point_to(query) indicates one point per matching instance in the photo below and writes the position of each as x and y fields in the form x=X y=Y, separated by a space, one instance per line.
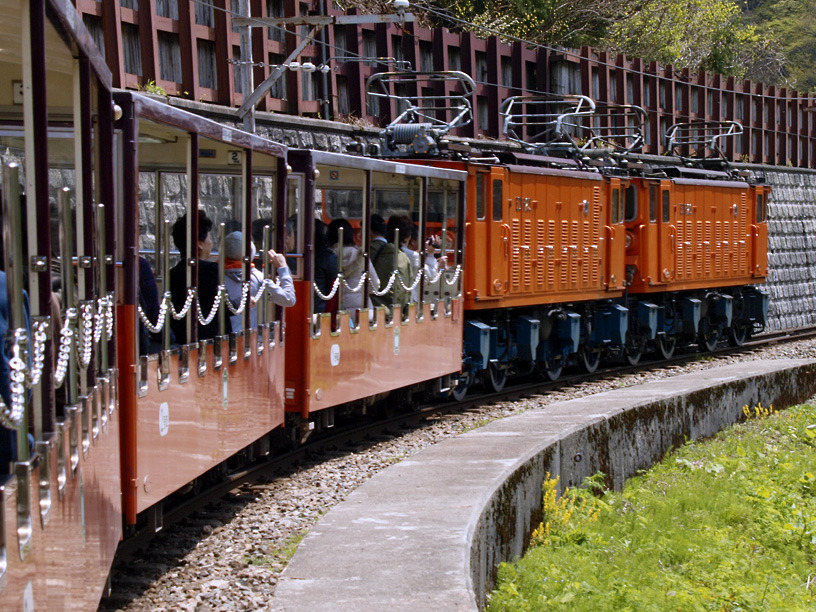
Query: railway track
x=238 y=484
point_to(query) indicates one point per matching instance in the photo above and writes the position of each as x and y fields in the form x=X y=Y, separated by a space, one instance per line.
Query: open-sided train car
x=61 y=512
x=210 y=381
x=344 y=358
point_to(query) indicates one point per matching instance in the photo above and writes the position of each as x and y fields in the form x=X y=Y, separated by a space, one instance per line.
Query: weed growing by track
x=724 y=524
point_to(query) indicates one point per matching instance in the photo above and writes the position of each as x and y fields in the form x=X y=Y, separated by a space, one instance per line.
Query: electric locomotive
x=578 y=248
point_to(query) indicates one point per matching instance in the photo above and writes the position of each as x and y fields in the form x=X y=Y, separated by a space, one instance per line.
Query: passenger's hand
x=277 y=259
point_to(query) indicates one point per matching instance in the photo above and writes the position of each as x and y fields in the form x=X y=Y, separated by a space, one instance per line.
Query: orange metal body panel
x=195 y=425
x=704 y=235
x=348 y=365
x=553 y=243
x=71 y=551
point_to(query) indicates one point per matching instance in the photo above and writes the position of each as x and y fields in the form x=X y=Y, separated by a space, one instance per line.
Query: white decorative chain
x=101 y=315
x=108 y=318
x=419 y=275
x=359 y=285
x=163 y=307
x=213 y=311
x=66 y=339
x=12 y=416
x=390 y=284
x=455 y=279
x=38 y=352
x=86 y=328
x=333 y=291
x=188 y=303
x=242 y=305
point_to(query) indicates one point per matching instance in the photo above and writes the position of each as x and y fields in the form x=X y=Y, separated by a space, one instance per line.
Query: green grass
x=725 y=524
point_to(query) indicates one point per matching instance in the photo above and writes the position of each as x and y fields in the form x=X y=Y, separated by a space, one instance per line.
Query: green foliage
x=694 y=34
x=727 y=524
x=793 y=23
x=151 y=88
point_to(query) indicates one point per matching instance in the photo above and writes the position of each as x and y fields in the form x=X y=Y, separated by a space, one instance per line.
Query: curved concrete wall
x=429 y=532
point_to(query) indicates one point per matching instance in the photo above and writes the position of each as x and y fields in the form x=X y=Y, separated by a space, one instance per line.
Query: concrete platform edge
x=428 y=533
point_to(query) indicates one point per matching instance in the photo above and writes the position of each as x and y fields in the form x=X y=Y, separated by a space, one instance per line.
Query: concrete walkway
x=427 y=533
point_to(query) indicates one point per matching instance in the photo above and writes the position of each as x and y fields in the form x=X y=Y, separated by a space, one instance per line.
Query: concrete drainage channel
x=429 y=532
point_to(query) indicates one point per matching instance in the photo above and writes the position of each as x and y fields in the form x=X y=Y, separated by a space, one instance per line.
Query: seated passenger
x=389 y=259
x=208 y=280
x=377 y=241
x=353 y=264
x=430 y=266
x=284 y=295
x=325 y=269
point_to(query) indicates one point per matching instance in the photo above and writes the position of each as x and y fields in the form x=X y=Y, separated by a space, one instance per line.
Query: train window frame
x=666 y=206
x=616 y=216
x=760 y=208
x=653 y=203
x=481 y=179
x=630 y=203
x=498 y=199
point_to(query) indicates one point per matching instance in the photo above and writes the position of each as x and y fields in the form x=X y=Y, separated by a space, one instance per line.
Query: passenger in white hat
x=234 y=253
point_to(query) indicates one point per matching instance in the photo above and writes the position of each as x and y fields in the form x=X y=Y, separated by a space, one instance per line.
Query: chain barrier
x=332 y=293
x=12 y=416
x=38 y=352
x=214 y=310
x=242 y=306
x=359 y=286
x=66 y=339
x=86 y=332
x=390 y=284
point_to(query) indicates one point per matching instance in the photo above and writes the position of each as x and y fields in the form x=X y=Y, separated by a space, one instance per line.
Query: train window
x=666 y=215
x=616 y=206
x=760 y=208
x=342 y=192
x=498 y=197
x=480 y=196
x=630 y=212
x=652 y=203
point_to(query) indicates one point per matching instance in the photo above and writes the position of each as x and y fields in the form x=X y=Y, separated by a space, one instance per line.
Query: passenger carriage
x=61 y=510
x=347 y=359
x=193 y=404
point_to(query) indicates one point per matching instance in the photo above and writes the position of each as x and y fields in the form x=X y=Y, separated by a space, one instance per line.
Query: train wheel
x=666 y=346
x=551 y=368
x=708 y=340
x=737 y=334
x=632 y=353
x=459 y=392
x=589 y=358
x=495 y=378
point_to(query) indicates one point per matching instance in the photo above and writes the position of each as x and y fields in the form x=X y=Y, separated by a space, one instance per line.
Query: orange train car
x=341 y=359
x=697 y=247
x=60 y=521
x=579 y=248
x=193 y=401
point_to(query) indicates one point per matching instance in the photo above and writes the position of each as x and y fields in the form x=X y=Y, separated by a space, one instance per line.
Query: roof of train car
x=75 y=32
x=379 y=164
x=155 y=110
